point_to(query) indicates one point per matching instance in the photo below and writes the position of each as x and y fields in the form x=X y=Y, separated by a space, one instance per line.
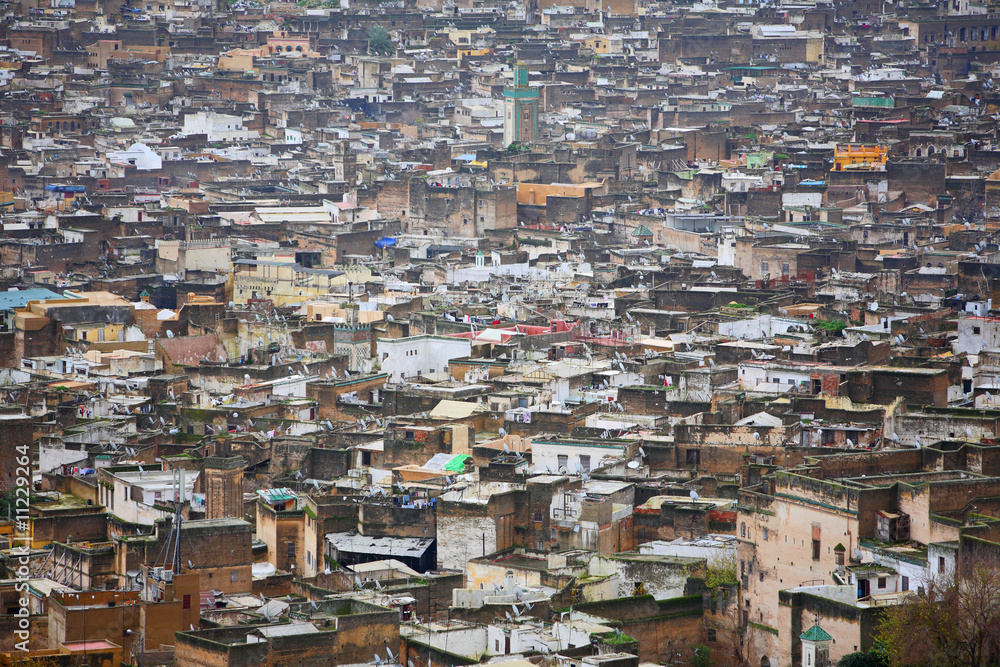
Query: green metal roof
x=815 y=634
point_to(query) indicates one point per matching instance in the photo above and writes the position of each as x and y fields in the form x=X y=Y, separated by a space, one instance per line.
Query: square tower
x=520 y=109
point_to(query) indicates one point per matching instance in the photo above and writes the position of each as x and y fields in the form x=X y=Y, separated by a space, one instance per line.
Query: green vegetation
x=617 y=639
x=832 y=326
x=515 y=147
x=955 y=621
x=379 y=41
x=7 y=500
x=722 y=572
x=872 y=658
x=701 y=656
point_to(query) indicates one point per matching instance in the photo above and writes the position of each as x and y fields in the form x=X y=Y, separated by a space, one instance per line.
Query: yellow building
x=599 y=44
x=238 y=60
x=870 y=157
x=471 y=53
x=464 y=37
x=322 y=310
x=287 y=283
x=282 y=283
x=536 y=194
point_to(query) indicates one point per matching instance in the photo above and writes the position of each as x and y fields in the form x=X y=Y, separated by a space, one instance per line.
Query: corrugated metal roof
x=412 y=547
x=277 y=495
x=19 y=298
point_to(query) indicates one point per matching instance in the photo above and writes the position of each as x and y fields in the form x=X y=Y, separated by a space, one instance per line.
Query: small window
x=815 y=549
x=881 y=582
x=905 y=584
x=976 y=331
x=186 y=604
x=563 y=460
x=710 y=634
x=234 y=576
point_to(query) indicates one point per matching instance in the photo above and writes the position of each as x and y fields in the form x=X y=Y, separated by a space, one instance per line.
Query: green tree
x=701 y=656
x=379 y=41
x=864 y=659
x=954 y=623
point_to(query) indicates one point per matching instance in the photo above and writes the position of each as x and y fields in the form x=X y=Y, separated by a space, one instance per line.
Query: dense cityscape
x=529 y=333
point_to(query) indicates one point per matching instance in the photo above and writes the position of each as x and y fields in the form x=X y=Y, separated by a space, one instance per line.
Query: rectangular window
x=585 y=463
x=881 y=582
x=905 y=584
x=186 y=604
x=693 y=457
x=815 y=549
x=562 y=460
x=234 y=576
x=291 y=551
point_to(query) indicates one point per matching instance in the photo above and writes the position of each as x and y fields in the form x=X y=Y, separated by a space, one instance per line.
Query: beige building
x=857 y=530
x=282 y=283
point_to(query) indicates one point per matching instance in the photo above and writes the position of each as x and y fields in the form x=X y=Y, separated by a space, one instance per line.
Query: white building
x=573 y=457
x=976 y=334
x=217 y=127
x=139 y=155
x=408 y=358
x=140 y=497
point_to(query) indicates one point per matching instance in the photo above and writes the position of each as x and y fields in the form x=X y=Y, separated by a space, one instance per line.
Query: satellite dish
x=170 y=334
x=634 y=465
x=694 y=495
x=502 y=432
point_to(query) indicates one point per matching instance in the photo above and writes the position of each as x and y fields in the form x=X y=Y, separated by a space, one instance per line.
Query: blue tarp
x=385 y=242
